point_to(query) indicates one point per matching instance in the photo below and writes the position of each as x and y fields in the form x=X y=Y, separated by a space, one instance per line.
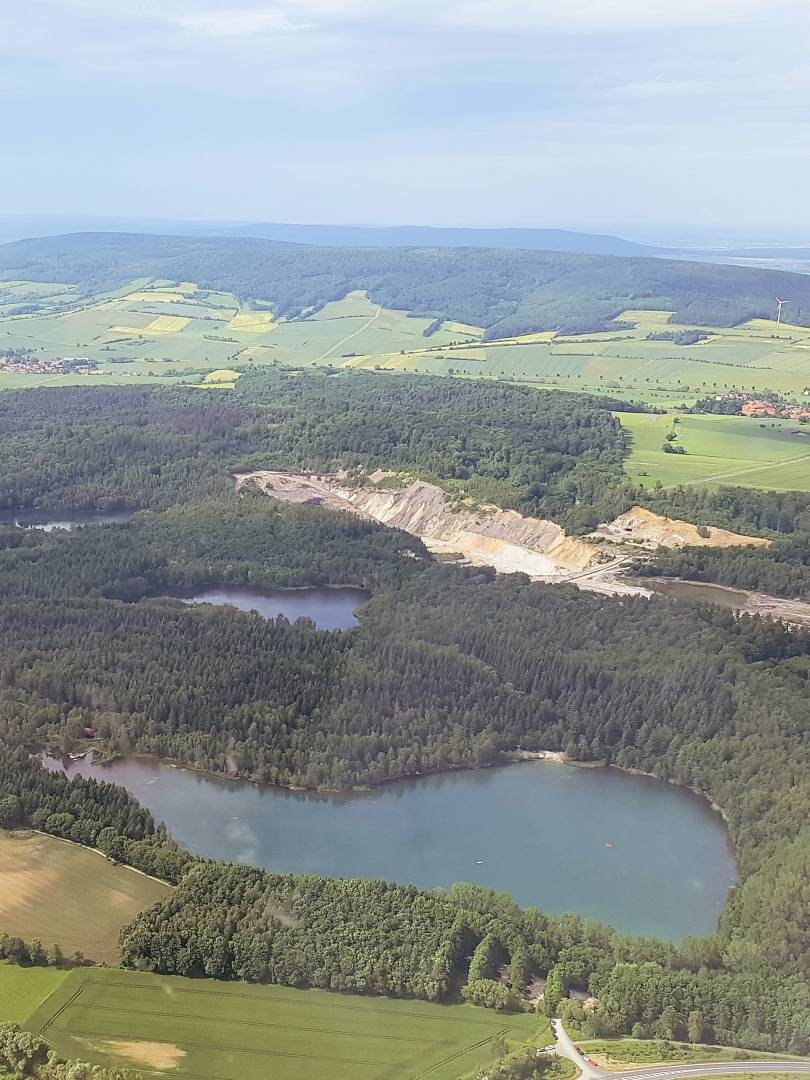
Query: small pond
x=329 y=608
x=65 y=519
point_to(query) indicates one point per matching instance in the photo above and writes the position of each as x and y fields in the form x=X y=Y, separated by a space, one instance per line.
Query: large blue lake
x=645 y=856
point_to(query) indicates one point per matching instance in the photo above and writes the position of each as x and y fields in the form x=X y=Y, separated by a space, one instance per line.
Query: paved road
x=566 y=1048
x=681 y=1072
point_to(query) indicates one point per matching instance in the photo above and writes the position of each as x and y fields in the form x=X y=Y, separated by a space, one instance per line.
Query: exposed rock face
x=650 y=530
x=503 y=539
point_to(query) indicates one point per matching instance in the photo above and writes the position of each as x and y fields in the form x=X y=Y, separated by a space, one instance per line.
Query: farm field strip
x=23 y=990
x=96 y=898
x=719 y=449
x=141 y=324
x=233 y=1031
x=129 y=1011
x=759 y=468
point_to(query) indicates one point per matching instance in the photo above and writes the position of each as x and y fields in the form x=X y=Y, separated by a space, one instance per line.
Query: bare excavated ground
x=487 y=536
x=646 y=529
x=502 y=539
x=512 y=543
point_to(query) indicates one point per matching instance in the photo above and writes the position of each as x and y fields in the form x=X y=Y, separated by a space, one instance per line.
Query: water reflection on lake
x=698 y=591
x=47 y=520
x=329 y=609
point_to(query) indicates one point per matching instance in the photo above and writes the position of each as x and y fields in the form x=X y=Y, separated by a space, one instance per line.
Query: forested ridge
x=505 y=291
x=449 y=667
x=547 y=453
x=543 y=453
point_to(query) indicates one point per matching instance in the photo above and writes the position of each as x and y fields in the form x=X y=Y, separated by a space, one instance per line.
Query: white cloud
x=612 y=16
x=244 y=23
x=521 y=16
x=634 y=91
x=466 y=110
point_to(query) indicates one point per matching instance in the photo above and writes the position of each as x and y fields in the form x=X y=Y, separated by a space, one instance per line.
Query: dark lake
x=65 y=519
x=698 y=591
x=329 y=609
x=645 y=856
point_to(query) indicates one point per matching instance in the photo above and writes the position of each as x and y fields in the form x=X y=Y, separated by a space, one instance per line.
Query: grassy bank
x=24 y=990
x=618 y=1054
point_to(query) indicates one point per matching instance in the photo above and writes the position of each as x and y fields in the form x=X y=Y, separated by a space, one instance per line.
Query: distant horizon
x=688 y=235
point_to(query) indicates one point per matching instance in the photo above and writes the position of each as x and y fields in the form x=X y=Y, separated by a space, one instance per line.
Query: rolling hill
x=506 y=292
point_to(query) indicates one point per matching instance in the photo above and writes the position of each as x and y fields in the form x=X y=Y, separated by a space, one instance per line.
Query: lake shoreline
x=792 y=611
x=329 y=608
x=509 y=757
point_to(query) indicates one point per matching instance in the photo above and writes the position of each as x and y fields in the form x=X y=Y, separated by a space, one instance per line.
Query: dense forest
x=449 y=666
x=544 y=453
x=506 y=292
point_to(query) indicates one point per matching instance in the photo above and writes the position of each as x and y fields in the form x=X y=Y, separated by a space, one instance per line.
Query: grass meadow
x=213 y=1030
x=622 y=1053
x=720 y=450
x=23 y=990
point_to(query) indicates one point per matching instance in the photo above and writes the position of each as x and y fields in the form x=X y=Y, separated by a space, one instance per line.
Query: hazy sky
x=577 y=113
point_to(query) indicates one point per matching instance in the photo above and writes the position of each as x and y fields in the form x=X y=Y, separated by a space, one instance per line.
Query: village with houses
x=27 y=362
x=760 y=407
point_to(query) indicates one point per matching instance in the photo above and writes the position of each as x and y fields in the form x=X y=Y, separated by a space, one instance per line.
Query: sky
x=658 y=119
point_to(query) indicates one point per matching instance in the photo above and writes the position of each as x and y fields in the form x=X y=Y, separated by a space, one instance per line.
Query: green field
x=235 y=1031
x=162 y=331
x=95 y=897
x=154 y=327
x=626 y=364
x=734 y=450
x=23 y=990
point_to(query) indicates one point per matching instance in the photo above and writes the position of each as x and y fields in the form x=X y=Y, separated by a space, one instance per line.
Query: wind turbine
x=779 y=310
